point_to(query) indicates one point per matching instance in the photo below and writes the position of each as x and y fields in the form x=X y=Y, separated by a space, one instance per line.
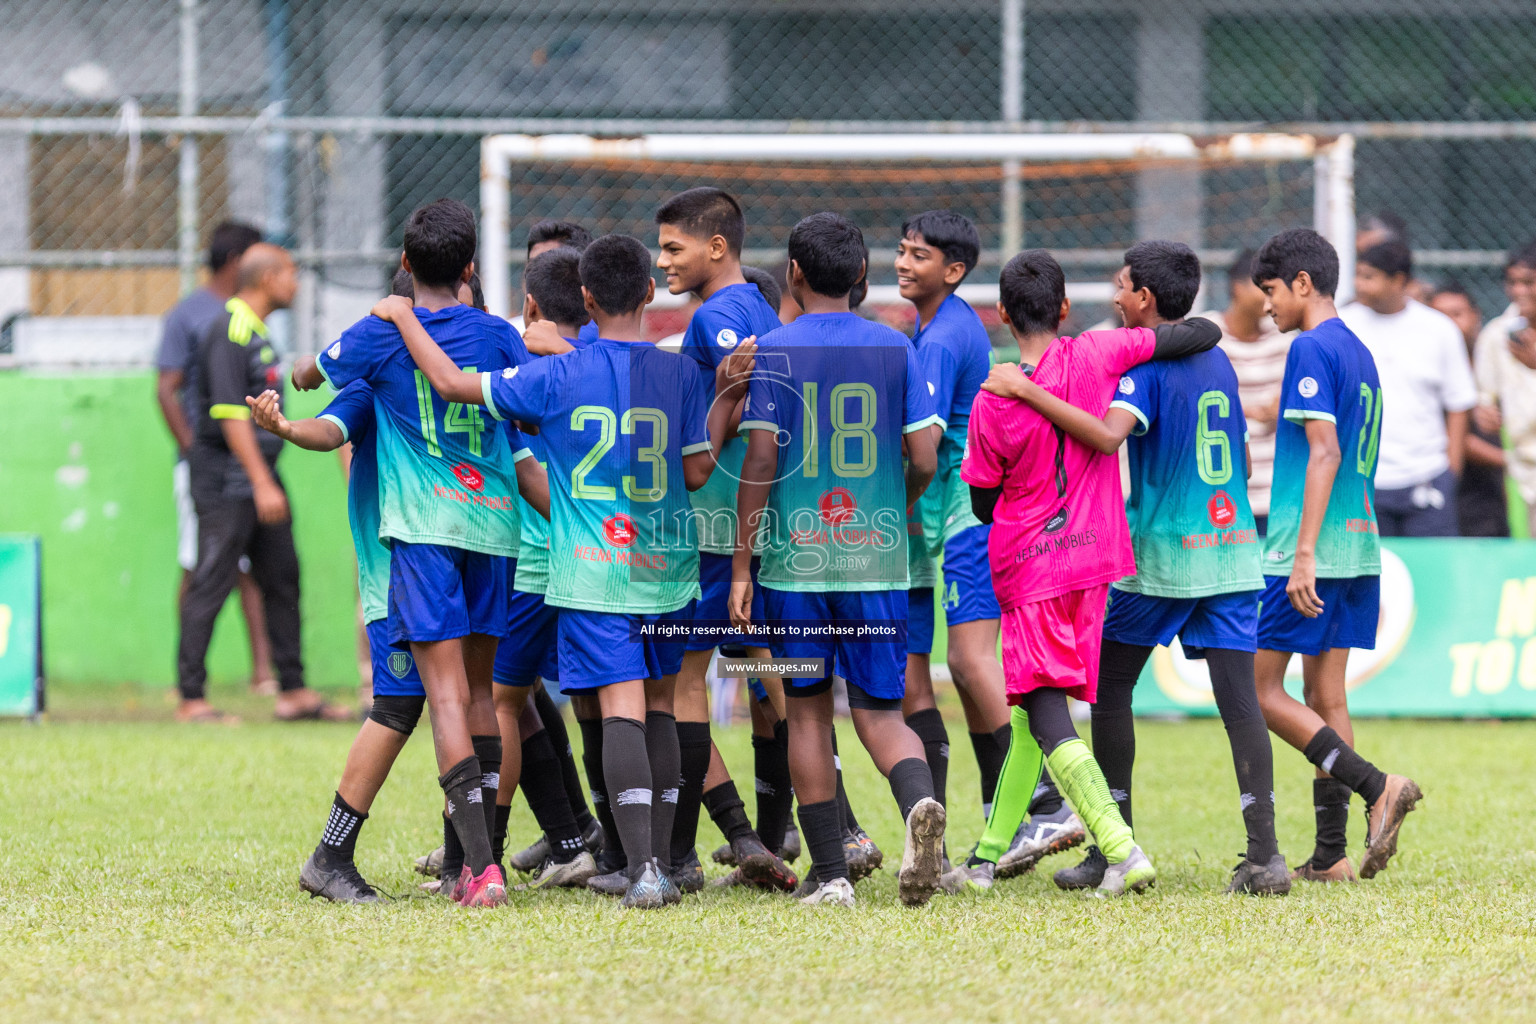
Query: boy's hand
x=268 y=414
x=1008 y=380
x=736 y=367
x=1487 y=419
x=271 y=502
x=542 y=338
x=1302 y=587
x=740 y=606
x=390 y=307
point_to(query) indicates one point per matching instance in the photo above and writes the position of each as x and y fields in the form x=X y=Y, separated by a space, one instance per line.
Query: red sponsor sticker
x=1222 y=510
x=620 y=530
x=836 y=505
x=469 y=476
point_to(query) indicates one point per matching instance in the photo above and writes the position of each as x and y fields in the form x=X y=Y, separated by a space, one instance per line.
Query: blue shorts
x=598 y=649
x=1351 y=608
x=968 y=594
x=1227 y=622
x=920 y=620
x=394 y=670
x=527 y=653
x=877 y=667
x=712 y=615
x=440 y=593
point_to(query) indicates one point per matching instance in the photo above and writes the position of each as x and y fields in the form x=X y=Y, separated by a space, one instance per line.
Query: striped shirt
x=1260 y=367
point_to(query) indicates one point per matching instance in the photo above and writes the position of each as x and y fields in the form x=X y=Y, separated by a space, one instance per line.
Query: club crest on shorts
x=399 y=664
x=1222 y=510
x=726 y=338
x=469 y=476
x=620 y=530
x=836 y=505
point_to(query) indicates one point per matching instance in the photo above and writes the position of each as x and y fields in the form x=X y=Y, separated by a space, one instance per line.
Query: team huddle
x=570 y=505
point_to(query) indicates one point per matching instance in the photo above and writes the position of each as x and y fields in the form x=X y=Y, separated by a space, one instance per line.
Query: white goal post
x=1333 y=169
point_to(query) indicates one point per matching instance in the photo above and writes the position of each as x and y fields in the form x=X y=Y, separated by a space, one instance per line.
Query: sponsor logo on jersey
x=1057 y=521
x=1221 y=509
x=334 y=351
x=1307 y=386
x=469 y=476
x=836 y=505
x=399 y=664
x=509 y=372
x=726 y=338
x=620 y=530
x=266 y=354
x=931 y=389
x=1127 y=386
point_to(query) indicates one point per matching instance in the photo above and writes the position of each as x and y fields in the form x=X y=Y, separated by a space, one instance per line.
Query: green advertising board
x=1456 y=638
x=21 y=668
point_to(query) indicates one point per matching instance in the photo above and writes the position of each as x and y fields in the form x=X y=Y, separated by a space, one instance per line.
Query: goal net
x=1084 y=196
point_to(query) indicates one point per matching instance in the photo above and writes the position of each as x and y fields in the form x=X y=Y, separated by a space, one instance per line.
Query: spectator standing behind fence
x=184 y=325
x=1482 y=507
x=242 y=509
x=1257 y=350
x=1426 y=393
x=1506 y=375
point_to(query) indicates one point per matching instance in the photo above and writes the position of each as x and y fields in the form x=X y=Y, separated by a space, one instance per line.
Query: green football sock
x=1015 y=788
x=1078 y=776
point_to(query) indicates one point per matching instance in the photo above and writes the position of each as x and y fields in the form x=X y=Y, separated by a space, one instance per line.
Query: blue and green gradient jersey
x=956 y=354
x=727 y=318
x=352 y=411
x=1191 y=526
x=617 y=418
x=1329 y=375
x=533 y=550
x=445 y=471
x=838 y=393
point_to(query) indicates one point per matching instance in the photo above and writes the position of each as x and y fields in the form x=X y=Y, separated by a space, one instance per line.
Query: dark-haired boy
x=700 y=235
x=1059 y=538
x=833 y=404
x=1196 y=551
x=1322 y=558
x=449 y=509
x=622 y=424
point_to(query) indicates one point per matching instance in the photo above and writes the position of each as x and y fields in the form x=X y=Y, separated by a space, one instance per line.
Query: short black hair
x=1393 y=224
x=1522 y=256
x=1170 y=271
x=704 y=213
x=1032 y=288
x=1241 y=268
x=951 y=233
x=553 y=278
x=773 y=294
x=1453 y=286
x=403 y=284
x=229 y=242
x=440 y=241
x=1290 y=252
x=830 y=251
x=616 y=270
x=567 y=233
x=1391 y=257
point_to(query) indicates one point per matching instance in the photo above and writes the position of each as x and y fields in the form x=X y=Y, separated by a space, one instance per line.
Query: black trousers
x=228 y=529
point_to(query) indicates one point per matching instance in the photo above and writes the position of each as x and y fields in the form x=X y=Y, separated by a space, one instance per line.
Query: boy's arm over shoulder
x=357 y=354
x=522 y=393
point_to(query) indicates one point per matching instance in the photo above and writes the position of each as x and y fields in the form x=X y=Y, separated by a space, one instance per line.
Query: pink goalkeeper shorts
x=1055 y=643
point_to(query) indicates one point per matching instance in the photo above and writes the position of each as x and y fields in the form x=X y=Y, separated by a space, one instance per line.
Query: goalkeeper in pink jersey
x=1059 y=538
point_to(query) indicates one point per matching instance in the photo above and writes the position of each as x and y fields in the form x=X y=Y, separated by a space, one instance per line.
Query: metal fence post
x=1013 y=112
x=187 y=169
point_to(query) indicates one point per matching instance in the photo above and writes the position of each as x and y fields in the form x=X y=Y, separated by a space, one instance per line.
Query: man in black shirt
x=241 y=506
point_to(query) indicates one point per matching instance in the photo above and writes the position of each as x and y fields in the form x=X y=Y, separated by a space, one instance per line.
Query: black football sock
x=844 y=808
x=1330 y=753
x=775 y=793
x=1047 y=798
x=461 y=785
x=911 y=781
x=929 y=726
x=499 y=835
x=693 y=756
x=1114 y=726
x=627 y=774
x=1330 y=802
x=339 y=839
x=544 y=787
x=488 y=750
x=991 y=751
x=1252 y=757
x=728 y=812
x=666 y=773
x=592 y=761
x=819 y=827
x=453 y=853
x=560 y=739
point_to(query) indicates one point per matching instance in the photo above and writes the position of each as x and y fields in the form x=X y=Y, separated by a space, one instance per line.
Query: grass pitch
x=150 y=874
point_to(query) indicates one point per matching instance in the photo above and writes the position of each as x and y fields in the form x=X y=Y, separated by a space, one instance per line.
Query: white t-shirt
x=1421 y=358
x=1506 y=382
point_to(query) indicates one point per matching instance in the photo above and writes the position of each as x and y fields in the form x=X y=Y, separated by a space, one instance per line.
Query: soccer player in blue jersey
x=623 y=425
x=832 y=403
x=700 y=234
x=1197 y=554
x=1322 y=556
x=449 y=507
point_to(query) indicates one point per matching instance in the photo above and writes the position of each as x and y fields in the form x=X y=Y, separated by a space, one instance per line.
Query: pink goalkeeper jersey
x=1060 y=524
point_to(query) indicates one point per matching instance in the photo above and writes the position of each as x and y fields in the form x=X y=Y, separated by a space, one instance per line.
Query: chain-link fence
x=127 y=130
